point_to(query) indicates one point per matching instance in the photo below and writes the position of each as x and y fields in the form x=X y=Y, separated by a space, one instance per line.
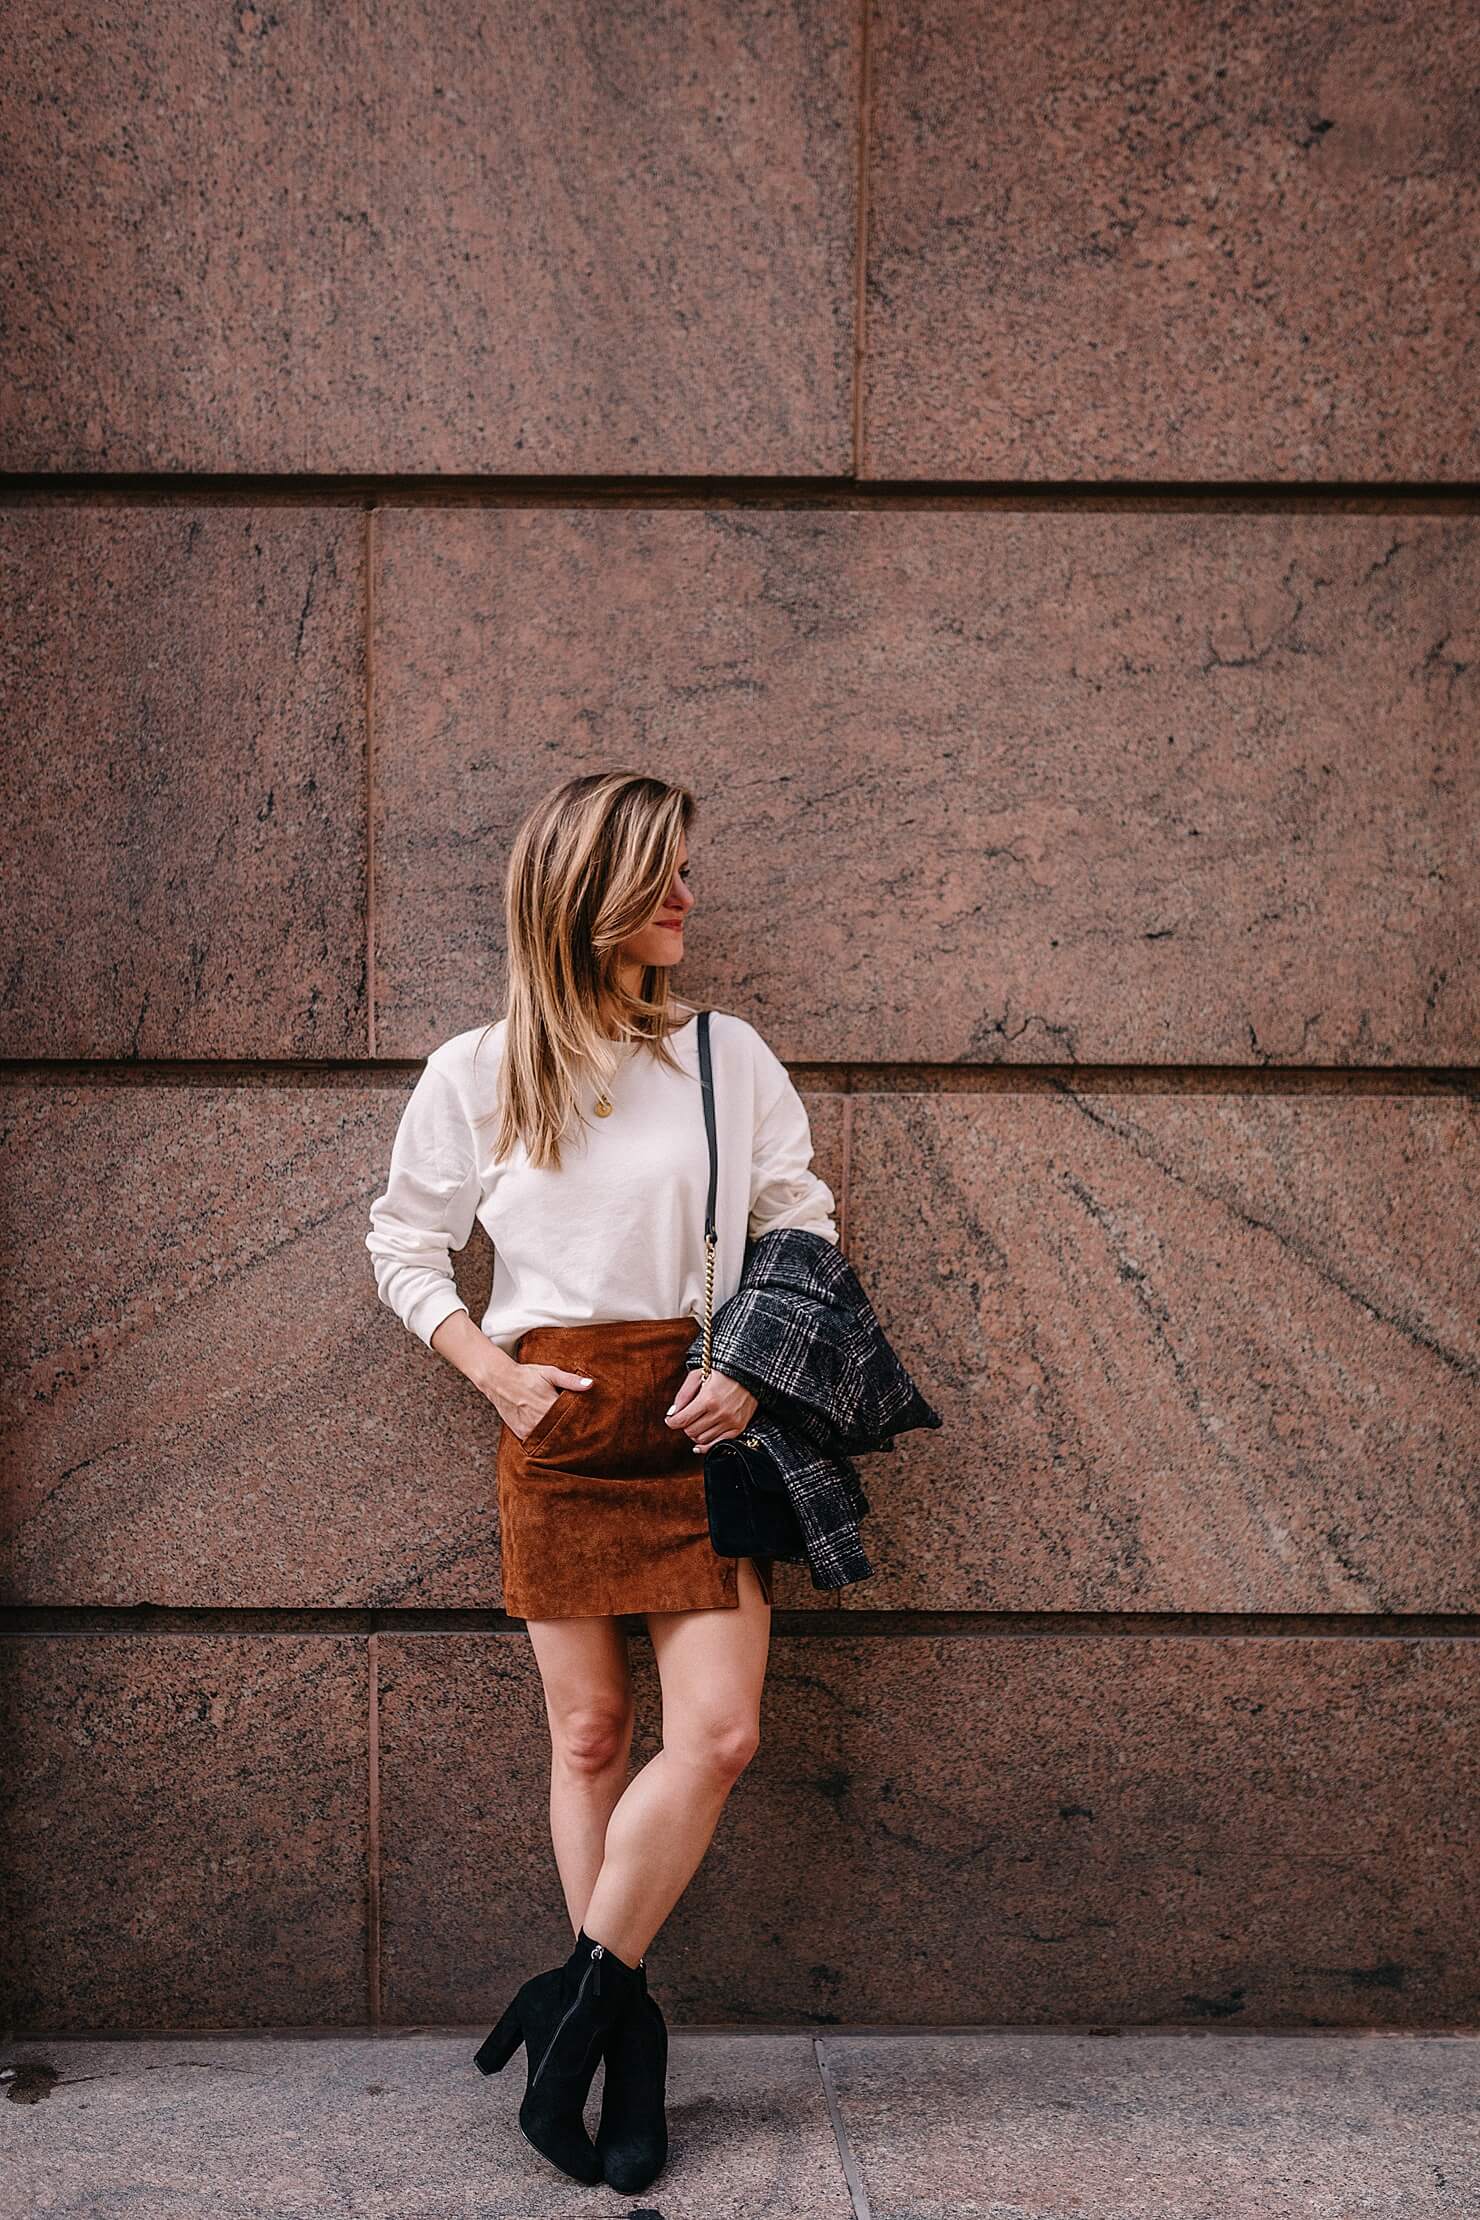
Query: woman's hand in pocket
x=532 y=1392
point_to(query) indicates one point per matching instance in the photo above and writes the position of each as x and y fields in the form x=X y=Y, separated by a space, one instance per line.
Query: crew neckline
x=671 y=1035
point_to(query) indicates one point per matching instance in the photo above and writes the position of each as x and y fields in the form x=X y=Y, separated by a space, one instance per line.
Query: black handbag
x=749 y=1505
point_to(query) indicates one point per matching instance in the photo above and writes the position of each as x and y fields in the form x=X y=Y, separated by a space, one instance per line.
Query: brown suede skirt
x=601 y=1506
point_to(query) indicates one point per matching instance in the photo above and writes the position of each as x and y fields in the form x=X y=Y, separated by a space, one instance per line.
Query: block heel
x=497 y=2048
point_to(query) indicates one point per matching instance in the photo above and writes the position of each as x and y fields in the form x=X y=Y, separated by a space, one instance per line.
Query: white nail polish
x=585 y=1383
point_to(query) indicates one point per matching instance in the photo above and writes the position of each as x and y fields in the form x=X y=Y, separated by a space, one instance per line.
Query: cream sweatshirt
x=618 y=1231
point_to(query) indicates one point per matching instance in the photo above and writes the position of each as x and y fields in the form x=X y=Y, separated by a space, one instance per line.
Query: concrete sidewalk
x=968 y=2124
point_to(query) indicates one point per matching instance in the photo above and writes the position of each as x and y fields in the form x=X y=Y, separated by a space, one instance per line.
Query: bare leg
x=712 y=1665
x=588 y=1702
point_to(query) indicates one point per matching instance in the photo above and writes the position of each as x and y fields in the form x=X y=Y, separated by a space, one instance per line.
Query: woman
x=573 y=1129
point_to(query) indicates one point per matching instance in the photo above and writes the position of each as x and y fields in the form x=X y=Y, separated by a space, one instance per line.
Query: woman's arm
x=466 y=1347
x=784 y=1189
x=426 y=1213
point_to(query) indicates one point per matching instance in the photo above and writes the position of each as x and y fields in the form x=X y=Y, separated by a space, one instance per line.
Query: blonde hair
x=591 y=865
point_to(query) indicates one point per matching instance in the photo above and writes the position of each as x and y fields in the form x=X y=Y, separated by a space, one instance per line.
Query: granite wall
x=1019 y=465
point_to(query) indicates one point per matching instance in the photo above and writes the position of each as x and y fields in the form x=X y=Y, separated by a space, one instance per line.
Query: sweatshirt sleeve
x=784 y=1190
x=427 y=1210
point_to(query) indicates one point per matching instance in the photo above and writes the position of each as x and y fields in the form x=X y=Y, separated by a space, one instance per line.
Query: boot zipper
x=592 y=1966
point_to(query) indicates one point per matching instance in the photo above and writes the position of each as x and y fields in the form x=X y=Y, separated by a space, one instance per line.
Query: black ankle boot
x=562 y=2017
x=632 y=2137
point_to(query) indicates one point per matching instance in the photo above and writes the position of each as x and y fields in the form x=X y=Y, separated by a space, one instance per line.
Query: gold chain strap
x=710 y=1241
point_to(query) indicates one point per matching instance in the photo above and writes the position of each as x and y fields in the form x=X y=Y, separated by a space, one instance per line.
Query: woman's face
x=661 y=942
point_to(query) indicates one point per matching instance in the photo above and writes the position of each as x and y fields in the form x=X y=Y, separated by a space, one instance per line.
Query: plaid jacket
x=800 y=1333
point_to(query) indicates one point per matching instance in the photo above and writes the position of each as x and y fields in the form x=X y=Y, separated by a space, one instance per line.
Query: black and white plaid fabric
x=801 y=1334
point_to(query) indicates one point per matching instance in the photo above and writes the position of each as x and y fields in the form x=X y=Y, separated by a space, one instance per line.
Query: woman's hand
x=527 y=1393
x=716 y=1409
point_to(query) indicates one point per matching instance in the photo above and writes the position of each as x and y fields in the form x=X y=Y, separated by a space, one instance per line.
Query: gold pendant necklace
x=603 y=1105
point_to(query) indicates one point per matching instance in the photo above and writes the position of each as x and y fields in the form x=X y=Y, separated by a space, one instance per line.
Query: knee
x=726 y=1746
x=590 y=1740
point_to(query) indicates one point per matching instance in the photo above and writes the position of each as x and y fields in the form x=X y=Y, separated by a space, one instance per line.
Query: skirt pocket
x=549 y=1421
x=612 y=1430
